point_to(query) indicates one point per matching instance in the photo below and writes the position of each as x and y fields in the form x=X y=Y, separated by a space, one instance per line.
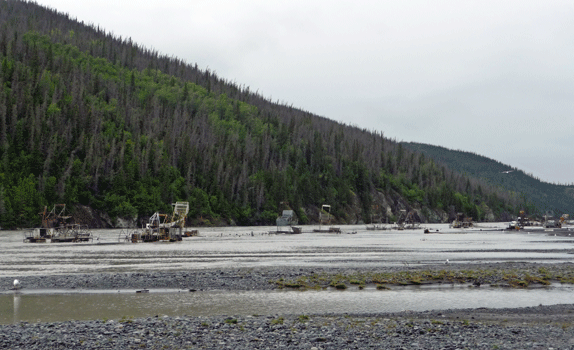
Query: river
x=252 y=247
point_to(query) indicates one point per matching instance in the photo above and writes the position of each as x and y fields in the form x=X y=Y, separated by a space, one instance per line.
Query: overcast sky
x=491 y=77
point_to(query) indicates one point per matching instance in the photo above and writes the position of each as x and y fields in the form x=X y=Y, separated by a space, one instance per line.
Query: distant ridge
x=543 y=195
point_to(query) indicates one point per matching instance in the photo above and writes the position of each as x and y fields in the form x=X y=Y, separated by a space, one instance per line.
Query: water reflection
x=92 y=306
x=16 y=307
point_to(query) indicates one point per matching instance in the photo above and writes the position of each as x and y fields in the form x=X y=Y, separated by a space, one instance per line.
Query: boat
x=296 y=230
x=410 y=221
x=164 y=227
x=58 y=227
x=288 y=218
x=190 y=233
x=461 y=222
x=72 y=233
x=322 y=220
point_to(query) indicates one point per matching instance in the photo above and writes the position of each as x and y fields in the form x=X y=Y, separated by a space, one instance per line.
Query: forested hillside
x=97 y=121
x=543 y=195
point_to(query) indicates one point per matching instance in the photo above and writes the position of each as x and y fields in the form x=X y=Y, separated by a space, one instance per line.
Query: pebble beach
x=529 y=328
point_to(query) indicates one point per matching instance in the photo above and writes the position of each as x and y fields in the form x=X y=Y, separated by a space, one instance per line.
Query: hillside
x=544 y=196
x=117 y=131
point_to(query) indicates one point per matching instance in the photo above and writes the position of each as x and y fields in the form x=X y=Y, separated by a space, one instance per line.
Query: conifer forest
x=97 y=121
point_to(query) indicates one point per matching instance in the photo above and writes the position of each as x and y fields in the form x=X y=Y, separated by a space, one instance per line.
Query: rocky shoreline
x=525 y=328
x=541 y=327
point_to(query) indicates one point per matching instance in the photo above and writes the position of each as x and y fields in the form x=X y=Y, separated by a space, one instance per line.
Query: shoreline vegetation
x=482 y=328
x=495 y=277
x=507 y=275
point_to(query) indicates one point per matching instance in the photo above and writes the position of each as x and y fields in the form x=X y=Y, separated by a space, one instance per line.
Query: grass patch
x=515 y=283
x=518 y=278
x=536 y=279
x=278 y=320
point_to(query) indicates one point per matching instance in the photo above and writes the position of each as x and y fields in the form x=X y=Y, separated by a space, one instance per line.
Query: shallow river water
x=94 y=305
x=255 y=247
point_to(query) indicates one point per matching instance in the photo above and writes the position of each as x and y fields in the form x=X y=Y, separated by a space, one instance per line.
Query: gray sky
x=491 y=77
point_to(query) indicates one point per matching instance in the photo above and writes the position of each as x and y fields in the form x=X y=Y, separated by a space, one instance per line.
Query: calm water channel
x=254 y=247
x=51 y=307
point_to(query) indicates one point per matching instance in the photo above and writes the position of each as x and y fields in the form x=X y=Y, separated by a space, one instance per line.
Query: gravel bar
x=265 y=278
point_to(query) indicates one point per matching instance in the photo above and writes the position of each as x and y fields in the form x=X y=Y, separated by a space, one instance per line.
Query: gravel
x=429 y=330
x=542 y=327
x=266 y=278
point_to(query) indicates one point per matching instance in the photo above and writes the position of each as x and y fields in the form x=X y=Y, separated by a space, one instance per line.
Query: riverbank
x=540 y=327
